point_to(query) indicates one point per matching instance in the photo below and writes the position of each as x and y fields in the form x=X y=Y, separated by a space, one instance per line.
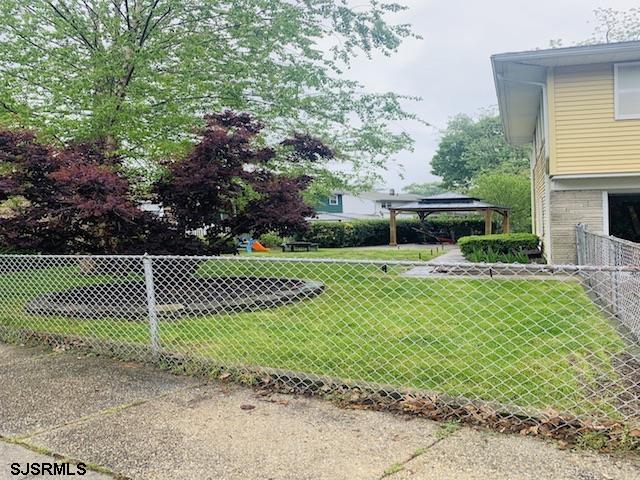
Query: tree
x=470 y=147
x=73 y=200
x=611 y=26
x=615 y=26
x=427 y=189
x=76 y=200
x=228 y=183
x=139 y=73
x=71 y=197
x=510 y=190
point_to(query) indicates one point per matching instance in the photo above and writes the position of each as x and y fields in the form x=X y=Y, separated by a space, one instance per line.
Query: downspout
x=533 y=192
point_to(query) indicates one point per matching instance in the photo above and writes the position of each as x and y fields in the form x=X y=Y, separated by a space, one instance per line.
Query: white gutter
x=545 y=107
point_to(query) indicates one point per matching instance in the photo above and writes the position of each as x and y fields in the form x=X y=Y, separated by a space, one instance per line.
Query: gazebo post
x=506 y=226
x=487 y=221
x=393 y=234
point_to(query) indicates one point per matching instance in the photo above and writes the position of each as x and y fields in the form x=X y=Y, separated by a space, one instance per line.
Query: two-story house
x=342 y=205
x=579 y=108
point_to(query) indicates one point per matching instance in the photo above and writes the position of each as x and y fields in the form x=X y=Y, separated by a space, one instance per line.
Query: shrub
x=271 y=240
x=452 y=227
x=363 y=233
x=501 y=244
x=491 y=256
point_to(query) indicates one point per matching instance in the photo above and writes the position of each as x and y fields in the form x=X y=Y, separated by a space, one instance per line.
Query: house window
x=386 y=205
x=333 y=200
x=624 y=216
x=627 y=90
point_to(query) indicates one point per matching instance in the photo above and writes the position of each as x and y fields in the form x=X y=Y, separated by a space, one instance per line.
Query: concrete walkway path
x=453 y=255
x=136 y=422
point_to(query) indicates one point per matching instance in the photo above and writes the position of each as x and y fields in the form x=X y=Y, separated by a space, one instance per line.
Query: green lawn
x=528 y=343
x=365 y=253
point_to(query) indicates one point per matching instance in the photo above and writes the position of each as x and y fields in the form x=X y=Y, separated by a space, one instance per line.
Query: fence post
x=617 y=261
x=580 y=244
x=611 y=262
x=152 y=313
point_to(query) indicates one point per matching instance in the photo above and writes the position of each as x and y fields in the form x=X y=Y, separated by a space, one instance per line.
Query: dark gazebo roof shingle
x=449 y=201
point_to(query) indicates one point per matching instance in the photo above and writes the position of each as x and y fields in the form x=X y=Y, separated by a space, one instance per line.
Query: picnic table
x=299 y=246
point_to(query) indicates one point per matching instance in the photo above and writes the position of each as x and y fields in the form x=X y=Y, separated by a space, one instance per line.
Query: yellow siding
x=539 y=206
x=586 y=137
x=538 y=180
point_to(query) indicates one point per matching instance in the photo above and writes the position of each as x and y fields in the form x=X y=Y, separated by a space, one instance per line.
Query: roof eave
x=570 y=55
x=527 y=79
x=502 y=106
x=527 y=66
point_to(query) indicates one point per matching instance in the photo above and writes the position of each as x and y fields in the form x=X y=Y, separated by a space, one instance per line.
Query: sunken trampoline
x=195 y=297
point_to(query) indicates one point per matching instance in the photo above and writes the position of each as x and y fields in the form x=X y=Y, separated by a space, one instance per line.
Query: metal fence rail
x=618 y=290
x=523 y=340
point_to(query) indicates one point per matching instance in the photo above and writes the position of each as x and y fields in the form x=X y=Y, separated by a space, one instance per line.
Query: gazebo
x=448 y=203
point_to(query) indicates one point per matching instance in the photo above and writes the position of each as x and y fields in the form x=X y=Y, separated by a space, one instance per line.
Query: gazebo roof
x=449 y=201
x=447 y=196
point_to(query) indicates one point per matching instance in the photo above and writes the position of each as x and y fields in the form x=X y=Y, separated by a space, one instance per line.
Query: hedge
x=364 y=233
x=500 y=244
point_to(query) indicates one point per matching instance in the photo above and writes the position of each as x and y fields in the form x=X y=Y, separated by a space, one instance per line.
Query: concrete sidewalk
x=137 y=422
x=453 y=255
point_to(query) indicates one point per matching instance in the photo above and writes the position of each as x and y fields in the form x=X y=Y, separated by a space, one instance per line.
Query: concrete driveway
x=125 y=420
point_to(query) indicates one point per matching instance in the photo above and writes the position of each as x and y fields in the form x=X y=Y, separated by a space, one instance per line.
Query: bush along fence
x=619 y=290
x=527 y=348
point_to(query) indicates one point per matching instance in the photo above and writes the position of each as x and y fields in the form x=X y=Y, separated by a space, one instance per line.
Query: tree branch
x=128 y=16
x=71 y=23
x=147 y=22
x=116 y=6
x=157 y=22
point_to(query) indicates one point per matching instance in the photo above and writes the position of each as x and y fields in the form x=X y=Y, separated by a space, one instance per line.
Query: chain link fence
x=501 y=343
x=618 y=290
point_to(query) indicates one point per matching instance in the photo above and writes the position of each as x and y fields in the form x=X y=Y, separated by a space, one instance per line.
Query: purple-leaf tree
x=76 y=200
x=230 y=185
x=73 y=200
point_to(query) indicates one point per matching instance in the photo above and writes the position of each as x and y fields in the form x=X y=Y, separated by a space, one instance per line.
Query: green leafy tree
x=613 y=25
x=140 y=73
x=510 y=190
x=427 y=189
x=470 y=147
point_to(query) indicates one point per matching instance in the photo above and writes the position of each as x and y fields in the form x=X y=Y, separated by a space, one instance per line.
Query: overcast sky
x=450 y=67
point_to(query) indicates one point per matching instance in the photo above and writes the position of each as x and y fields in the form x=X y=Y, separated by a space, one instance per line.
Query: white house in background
x=154 y=208
x=342 y=205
